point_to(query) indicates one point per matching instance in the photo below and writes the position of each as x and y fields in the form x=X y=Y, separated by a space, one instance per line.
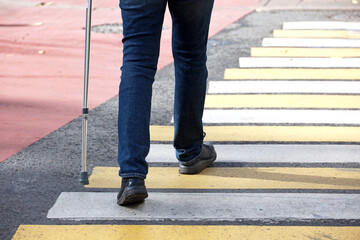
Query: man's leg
x=142 y=24
x=191 y=20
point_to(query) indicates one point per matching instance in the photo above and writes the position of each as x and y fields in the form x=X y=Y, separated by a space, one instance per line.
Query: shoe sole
x=197 y=167
x=132 y=196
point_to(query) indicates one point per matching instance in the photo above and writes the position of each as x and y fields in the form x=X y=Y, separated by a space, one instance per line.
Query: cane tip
x=84 y=179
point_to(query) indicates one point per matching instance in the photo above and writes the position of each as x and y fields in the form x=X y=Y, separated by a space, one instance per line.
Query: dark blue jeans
x=142 y=25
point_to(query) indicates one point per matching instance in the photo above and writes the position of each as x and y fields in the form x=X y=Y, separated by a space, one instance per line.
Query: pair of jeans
x=142 y=25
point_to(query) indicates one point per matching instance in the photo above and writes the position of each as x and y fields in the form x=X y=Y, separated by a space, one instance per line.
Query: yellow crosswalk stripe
x=295 y=73
x=266 y=133
x=237 y=178
x=282 y=101
x=173 y=232
x=315 y=34
x=304 y=52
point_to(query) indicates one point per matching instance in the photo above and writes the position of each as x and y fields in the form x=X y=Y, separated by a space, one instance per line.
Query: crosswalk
x=286 y=126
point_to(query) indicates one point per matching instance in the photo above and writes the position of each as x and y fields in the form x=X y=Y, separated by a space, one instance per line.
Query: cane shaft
x=83 y=174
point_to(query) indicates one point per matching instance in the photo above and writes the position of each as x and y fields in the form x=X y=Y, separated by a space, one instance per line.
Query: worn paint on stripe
x=328 y=87
x=315 y=34
x=172 y=232
x=263 y=62
x=299 y=74
x=236 y=178
x=219 y=207
x=282 y=116
x=282 y=101
x=330 y=25
x=266 y=133
x=268 y=153
x=304 y=52
x=310 y=42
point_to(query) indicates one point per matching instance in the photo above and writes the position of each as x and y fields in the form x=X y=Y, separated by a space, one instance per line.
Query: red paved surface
x=41 y=92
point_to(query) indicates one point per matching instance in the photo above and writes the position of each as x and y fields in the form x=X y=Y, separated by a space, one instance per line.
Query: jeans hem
x=191 y=161
x=132 y=175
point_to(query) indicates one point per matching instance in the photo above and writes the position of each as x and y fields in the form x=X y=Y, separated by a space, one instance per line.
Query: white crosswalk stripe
x=282 y=116
x=208 y=206
x=329 y=87
x=325 y=25
x=259 y=62
x=310 y=42
x=268 y=153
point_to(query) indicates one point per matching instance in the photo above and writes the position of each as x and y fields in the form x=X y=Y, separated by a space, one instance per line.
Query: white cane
x=85 y=110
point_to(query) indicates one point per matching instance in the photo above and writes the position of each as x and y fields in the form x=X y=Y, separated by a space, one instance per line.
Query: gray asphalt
x=32 y=179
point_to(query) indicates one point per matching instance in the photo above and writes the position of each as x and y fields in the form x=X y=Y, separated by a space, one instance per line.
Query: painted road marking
x=329 y=25
x=218 y=207
x=315 y=34
x=282 y=101
x=304 y=52
x=268 y=153
x=285 y=73
x=222 y=206
x=260 y=62
x=266 y=133
x=310 y=42
x=266 y=116
x=282 y=116
x=329 y=87
x=236 y=178
x=173 y=232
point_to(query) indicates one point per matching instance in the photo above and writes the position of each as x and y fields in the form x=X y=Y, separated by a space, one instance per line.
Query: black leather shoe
x=132 y=191
x=205 y=159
